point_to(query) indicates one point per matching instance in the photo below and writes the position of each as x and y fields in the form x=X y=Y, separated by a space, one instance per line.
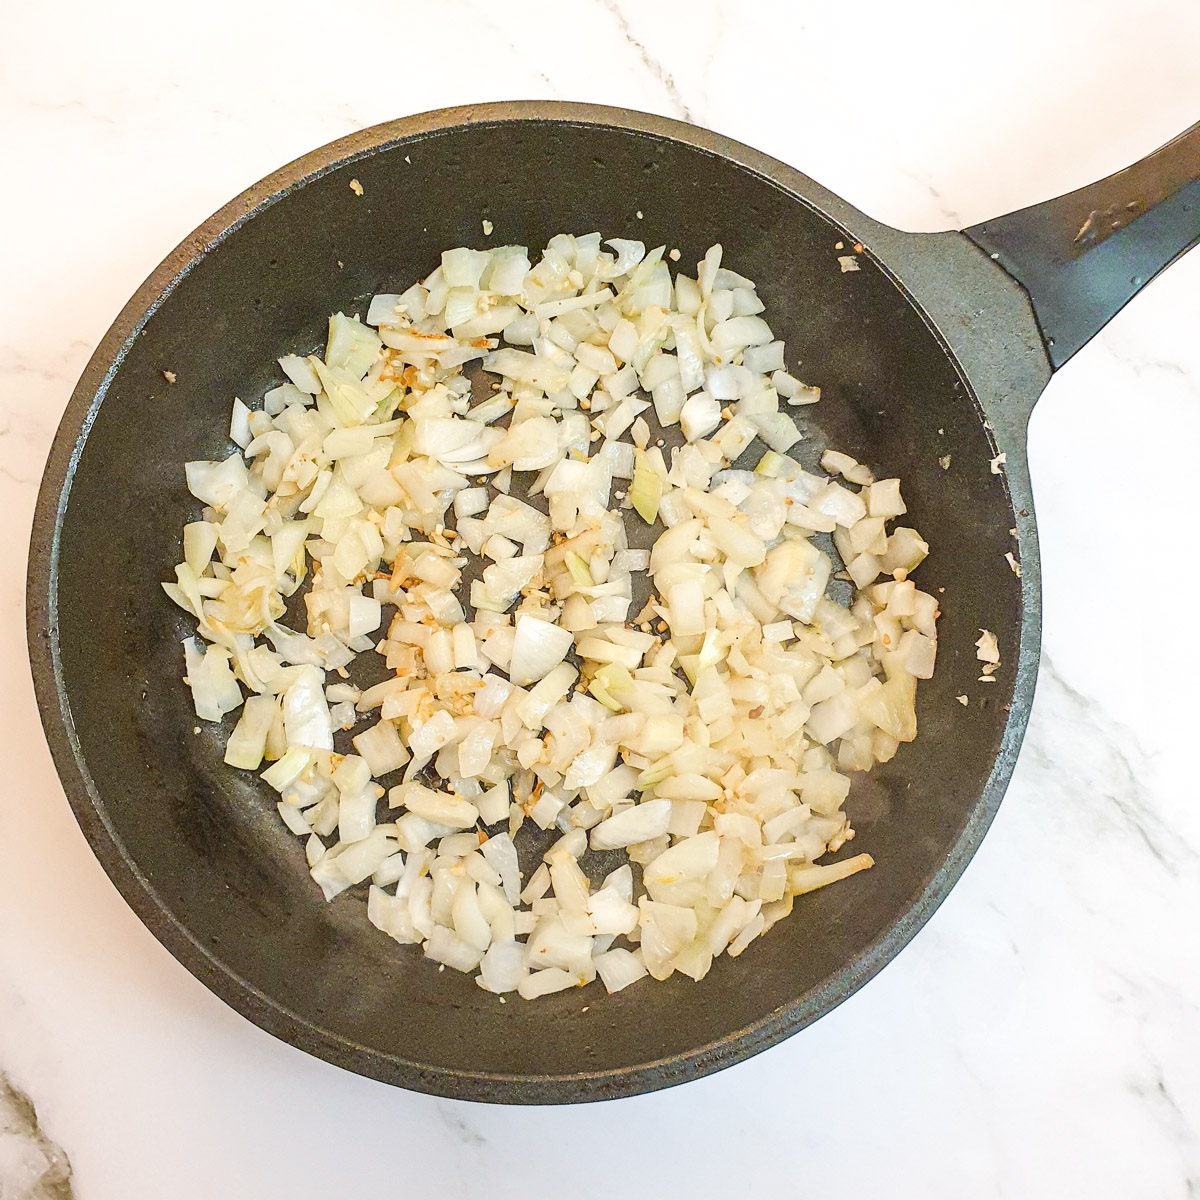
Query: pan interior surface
x=198 y=848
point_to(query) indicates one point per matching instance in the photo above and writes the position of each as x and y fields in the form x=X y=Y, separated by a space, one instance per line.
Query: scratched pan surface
x=197 y=849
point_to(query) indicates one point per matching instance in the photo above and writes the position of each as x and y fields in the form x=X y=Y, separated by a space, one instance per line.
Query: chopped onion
x=640 y=823
x=248 y=741
x=214 y=687
x=437 y=807
x=699 y=416
x=305 y=711
x=711 y=740
x=382 y=748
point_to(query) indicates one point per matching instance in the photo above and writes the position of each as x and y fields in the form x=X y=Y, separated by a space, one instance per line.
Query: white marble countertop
x=1041 y=1036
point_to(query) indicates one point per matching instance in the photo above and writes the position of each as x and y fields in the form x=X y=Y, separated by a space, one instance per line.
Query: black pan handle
x=1085 y=255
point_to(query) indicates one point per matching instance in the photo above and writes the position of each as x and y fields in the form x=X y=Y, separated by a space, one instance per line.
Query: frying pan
x=938 y=345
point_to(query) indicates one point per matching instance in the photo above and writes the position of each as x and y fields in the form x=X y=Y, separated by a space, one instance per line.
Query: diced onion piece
x=300 y=372
x=306 y=718
x=215 y=691
x=382 y=748
x=641 y=823
x=618 y=968
x=438 y=807
x=685 y=603
x=216 y=483
x=892 y=707
x=538 y=648
x=883 y=499
x=248 y=740
x=699 y=416
x=199 y=542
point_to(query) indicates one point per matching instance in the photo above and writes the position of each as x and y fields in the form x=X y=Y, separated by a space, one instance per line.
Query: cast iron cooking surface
x=198 y=849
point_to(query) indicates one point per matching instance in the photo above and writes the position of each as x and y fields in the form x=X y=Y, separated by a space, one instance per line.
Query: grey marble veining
x=1041 y=1036
x=32 y=1167
x=649 y=61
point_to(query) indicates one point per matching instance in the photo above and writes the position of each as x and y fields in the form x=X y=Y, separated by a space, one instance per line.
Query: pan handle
x=1083 y=256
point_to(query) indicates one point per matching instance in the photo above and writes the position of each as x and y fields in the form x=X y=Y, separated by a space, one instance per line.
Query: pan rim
x=88 y=806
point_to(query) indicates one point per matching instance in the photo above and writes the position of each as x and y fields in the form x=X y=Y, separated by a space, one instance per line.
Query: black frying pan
x=939 y=345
